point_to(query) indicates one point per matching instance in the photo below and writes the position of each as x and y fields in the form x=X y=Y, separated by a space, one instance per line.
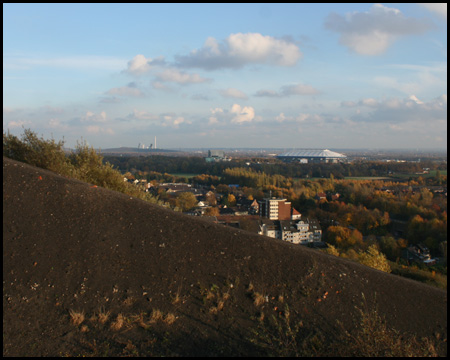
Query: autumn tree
x=212 y=211
x=342 y=237
x=186 y=201
x=375 y=259
x=231 y=200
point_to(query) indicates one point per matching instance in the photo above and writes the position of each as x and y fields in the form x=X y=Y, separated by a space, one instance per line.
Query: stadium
x=312 y=156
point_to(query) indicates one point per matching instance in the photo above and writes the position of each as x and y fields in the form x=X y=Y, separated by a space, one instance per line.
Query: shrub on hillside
x=84 y=163
x=375 y=259
x=46 y=154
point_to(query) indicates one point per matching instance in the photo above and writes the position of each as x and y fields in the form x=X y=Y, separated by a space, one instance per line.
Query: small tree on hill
x=375 y=259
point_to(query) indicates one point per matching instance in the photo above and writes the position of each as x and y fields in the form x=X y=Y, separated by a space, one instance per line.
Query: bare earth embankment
x=153 y=282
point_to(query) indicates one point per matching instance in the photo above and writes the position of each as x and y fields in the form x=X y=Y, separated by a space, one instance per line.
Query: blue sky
x=228 y=75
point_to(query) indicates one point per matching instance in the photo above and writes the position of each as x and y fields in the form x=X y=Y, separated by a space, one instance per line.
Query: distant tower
x=155 y=142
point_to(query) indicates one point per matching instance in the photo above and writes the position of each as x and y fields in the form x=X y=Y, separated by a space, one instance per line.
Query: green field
x=185 y=175
x=432 y=173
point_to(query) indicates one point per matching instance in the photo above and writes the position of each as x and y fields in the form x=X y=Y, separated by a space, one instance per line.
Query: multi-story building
x=275 y=209
x=303 y=231
x=280 y=221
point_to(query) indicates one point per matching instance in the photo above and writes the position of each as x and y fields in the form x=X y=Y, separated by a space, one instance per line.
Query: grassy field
x=184 y=175
x=432 y=173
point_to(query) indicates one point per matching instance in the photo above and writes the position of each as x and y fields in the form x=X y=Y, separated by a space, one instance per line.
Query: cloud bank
x=372 y=32
x=239 y=50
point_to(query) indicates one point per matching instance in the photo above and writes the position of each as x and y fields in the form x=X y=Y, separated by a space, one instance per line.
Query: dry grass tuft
x=129 y=301
x=177 y=297
x=258 y=299
x=156 y=315
x=170 y=319
x=117 y=325
x=76 y=317
x=84 y=328
x=139 y=319
x=103 y=316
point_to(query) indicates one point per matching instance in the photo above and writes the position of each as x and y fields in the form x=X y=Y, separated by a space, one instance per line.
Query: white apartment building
x=296 y=232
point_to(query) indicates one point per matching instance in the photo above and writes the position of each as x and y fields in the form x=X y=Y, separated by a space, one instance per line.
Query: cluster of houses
x=273 y=217
x=418 y=253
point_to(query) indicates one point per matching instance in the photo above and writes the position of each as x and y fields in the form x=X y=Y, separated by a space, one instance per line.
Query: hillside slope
x=70 y=246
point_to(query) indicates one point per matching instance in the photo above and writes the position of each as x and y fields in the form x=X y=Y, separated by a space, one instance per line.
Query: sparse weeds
x=258 y=299
x=170 y=318
x=122 y=321
x=280 y=337
x=103 y=316
x=118 y=323
x=219 y=298
x=76 y=317
x=177 y=298
x=373 y=337
x=156 y=316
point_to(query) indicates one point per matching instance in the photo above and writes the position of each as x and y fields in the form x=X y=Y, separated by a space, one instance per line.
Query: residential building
x=303 y=231
x=275 y=209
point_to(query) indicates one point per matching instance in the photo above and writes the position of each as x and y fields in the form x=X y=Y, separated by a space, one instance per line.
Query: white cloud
x=92 y=117
x=369 y=102
x=180 y=77
x=96 y=129
x=142 y=115
x=233 y=93
x=437 y=8
x=288 y=90
x=280 y=118
x=18 y=123
x=242 y=114
x=173 y=121
x=300 y=118
x=129 y=90
x=140 y=64
x=372 y=32
x=215 y=114
x=410 y=109
x=298 y=89
x=238 y=50
x=268 y=93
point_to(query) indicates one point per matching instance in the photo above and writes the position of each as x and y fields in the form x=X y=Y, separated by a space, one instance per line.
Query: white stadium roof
x=312 y=154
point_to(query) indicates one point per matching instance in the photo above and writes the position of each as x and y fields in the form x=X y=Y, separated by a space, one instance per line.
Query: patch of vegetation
x=280 y=336
x=373 y=337
x=84 y=163
x=426 y=276
x=372 y=257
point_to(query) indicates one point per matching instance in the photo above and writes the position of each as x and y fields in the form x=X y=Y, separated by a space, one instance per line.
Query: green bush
x=46 y=154
x=84 y=163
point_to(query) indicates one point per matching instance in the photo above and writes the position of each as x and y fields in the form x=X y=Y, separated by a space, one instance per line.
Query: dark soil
x=68 y=245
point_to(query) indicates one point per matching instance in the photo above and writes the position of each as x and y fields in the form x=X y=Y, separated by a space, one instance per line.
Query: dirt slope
x=68 y=245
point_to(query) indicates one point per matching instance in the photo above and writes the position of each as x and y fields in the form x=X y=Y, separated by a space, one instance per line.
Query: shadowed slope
x=68 y=245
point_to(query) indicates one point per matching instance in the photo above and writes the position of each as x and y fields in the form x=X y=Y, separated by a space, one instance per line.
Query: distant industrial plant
x=151 y=146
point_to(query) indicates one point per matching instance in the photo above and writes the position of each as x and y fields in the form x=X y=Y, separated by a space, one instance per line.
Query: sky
x=334 y=76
